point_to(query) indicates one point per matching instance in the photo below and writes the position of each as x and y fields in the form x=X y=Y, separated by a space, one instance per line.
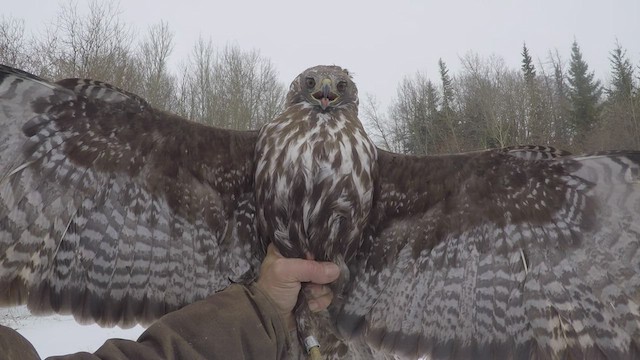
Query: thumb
x=318 y=272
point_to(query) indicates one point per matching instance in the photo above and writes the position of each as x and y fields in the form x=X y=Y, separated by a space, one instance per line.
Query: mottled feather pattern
x=314 y=180
x=118 y=213
x=97 y=223
x=545 y=275
x=329 y=179
x=535 y=152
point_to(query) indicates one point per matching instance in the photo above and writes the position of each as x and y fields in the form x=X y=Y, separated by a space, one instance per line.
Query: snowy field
x=59 y=335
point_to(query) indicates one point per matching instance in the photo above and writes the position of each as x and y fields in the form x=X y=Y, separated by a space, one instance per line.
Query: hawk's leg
x=308 y=323
x=304 y=323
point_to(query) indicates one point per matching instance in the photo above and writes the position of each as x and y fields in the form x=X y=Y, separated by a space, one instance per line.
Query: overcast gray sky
x=381 y=42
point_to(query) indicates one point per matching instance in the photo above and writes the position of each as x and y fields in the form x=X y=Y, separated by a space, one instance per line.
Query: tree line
x=486 y=104
x=489 y=105
x=226 y=87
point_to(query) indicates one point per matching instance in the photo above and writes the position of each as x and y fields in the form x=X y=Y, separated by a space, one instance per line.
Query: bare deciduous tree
x=230 y=87
x=158 y=86
x=377 y=125
x=93 y=45
x=12 y=42
x=481 y=90
x=416 y=109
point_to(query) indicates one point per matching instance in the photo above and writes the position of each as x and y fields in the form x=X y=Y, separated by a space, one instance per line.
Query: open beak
x=325 y=95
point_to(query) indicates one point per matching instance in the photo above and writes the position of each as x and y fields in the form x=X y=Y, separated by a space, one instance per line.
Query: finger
x=301 y=270
x=272 y=250
x=320 y=303
x=313 y=271
x=315 y=290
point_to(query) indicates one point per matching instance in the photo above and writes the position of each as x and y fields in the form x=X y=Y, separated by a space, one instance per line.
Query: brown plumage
x=118 y=213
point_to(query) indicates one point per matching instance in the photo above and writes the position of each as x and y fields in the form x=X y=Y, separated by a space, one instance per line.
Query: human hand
x=281 y=279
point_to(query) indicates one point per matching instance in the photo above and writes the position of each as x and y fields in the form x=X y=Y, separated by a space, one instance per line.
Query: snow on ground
x=59 y=335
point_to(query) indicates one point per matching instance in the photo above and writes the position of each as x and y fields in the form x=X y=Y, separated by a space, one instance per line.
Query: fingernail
x=332 y=270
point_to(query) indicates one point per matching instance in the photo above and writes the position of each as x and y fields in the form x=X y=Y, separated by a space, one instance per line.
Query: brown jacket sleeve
x=238 y=323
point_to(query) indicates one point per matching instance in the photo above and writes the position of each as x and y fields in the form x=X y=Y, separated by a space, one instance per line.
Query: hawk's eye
x=342 y=86
x=311 y=82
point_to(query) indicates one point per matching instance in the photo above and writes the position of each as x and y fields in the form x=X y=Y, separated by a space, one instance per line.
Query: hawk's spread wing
x=502 y=254
x=114 y=211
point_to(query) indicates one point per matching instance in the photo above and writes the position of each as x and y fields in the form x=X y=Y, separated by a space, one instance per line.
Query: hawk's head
x=326 y=87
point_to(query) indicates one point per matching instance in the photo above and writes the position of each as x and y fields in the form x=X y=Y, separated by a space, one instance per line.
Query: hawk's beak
x=326 y=91
x=325 y=95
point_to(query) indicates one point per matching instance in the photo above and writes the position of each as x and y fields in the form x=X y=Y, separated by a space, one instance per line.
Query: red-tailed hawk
x=119 y=213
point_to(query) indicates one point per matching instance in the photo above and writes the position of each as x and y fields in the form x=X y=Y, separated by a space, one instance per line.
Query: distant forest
x=555 y=102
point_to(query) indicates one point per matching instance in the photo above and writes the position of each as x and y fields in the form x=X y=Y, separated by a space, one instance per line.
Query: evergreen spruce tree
x=622 y=83
x=447 y=124
x=534 y=122
x=422 y=114
x=622 y=108
x=584 y=94
x=447 y=87
x=528 y=69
